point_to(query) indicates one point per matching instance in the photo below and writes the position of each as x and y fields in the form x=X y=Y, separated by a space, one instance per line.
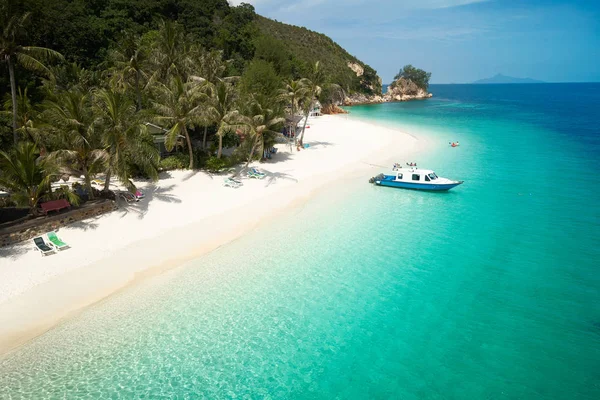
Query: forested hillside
x=125 y=88
x=84 y=31
x=305 y=47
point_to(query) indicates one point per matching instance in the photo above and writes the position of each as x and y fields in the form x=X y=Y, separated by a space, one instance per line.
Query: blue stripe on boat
x=389 y=181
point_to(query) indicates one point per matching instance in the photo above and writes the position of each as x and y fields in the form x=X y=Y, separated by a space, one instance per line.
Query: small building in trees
x=316 y=109
x=158 y=134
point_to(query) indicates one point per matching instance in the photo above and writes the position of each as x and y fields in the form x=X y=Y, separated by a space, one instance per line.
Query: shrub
x=177 y=161
x=200 y=158
x=214 y=164
x=64 y=192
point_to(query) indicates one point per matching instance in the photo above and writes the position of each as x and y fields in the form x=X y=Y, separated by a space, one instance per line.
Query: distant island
x=505 y=79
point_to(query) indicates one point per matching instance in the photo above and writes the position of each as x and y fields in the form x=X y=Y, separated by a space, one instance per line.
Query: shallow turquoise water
x=491 y=290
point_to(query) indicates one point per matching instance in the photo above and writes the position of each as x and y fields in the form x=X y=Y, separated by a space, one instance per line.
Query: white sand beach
x=184 y=214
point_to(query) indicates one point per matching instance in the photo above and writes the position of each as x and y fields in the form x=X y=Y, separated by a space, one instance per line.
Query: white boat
x=415 y=178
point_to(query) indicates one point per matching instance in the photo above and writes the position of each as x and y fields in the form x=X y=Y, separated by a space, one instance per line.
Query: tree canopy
x=418 y=76
x=104 y=88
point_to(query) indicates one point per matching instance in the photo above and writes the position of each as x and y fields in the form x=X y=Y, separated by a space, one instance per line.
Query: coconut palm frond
x=42 y=52
x=26 y=177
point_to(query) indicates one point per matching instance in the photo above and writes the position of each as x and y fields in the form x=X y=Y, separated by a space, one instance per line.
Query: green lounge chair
x=55 y=240
x=230 y=182
x=43 y=247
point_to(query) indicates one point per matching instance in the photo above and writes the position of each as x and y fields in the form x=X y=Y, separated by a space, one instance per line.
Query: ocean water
x=489 y=291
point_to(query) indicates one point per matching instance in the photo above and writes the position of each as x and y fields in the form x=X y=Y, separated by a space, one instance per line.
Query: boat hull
x=418 y=186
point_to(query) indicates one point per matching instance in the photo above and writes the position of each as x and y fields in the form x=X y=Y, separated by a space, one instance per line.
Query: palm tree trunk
x=88 y=182
x=107 y=182
x=304 y=127
x=220 y=150
x=138 y=92
x=293 y=126
x=252 y=152
x=13 y=91
x=204 y=137
x=189 y=145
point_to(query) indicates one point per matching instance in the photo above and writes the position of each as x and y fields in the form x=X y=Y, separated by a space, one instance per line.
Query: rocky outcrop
x=400 y=90
x=357 y=68
x=332 y=109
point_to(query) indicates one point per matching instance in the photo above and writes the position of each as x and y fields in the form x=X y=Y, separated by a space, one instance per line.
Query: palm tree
x=314 y=87
x=12 y=52
x=72 y=121
x=259 y=120
x=129 y=61
x=170 y=53
x=24 y=175
x=294 y=93
x=124 y=138
x=26 y=112
x=70 y=76
x=178 y=105
x=221 y=109
x=209 y=67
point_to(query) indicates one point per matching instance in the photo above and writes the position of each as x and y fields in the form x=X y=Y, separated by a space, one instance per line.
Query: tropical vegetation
x=205 y=75
x=416 y=75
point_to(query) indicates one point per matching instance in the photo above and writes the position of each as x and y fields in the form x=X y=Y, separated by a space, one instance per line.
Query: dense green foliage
x=101 y=88
x=177 y=161
x=301 y=48
x=85 y=31
x=416 y=75
x=27 y=179
x=94 y=35
x=260 y=77
x=214 y=164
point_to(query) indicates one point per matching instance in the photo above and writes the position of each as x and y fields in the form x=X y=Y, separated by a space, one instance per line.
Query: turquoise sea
x=489 y=291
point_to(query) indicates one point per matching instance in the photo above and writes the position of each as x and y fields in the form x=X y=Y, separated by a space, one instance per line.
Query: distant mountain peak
x=499 y=78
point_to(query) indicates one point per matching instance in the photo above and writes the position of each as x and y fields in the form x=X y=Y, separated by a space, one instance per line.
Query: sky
x=458 y=41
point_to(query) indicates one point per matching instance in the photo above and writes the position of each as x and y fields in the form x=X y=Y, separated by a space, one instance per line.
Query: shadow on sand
x=318 y=144
x=152 y=193
x=272 y=177
x=86 y=224
x=15 y=251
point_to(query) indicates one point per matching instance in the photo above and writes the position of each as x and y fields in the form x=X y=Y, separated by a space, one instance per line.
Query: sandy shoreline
x=186 y=214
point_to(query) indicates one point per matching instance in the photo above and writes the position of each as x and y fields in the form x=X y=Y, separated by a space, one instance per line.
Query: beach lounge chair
x=56 y=241
x=43 y=247
x=230 y=182
x=128 y=197
x=256 y=174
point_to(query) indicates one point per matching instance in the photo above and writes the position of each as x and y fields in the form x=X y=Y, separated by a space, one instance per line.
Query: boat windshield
x=433 y=176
